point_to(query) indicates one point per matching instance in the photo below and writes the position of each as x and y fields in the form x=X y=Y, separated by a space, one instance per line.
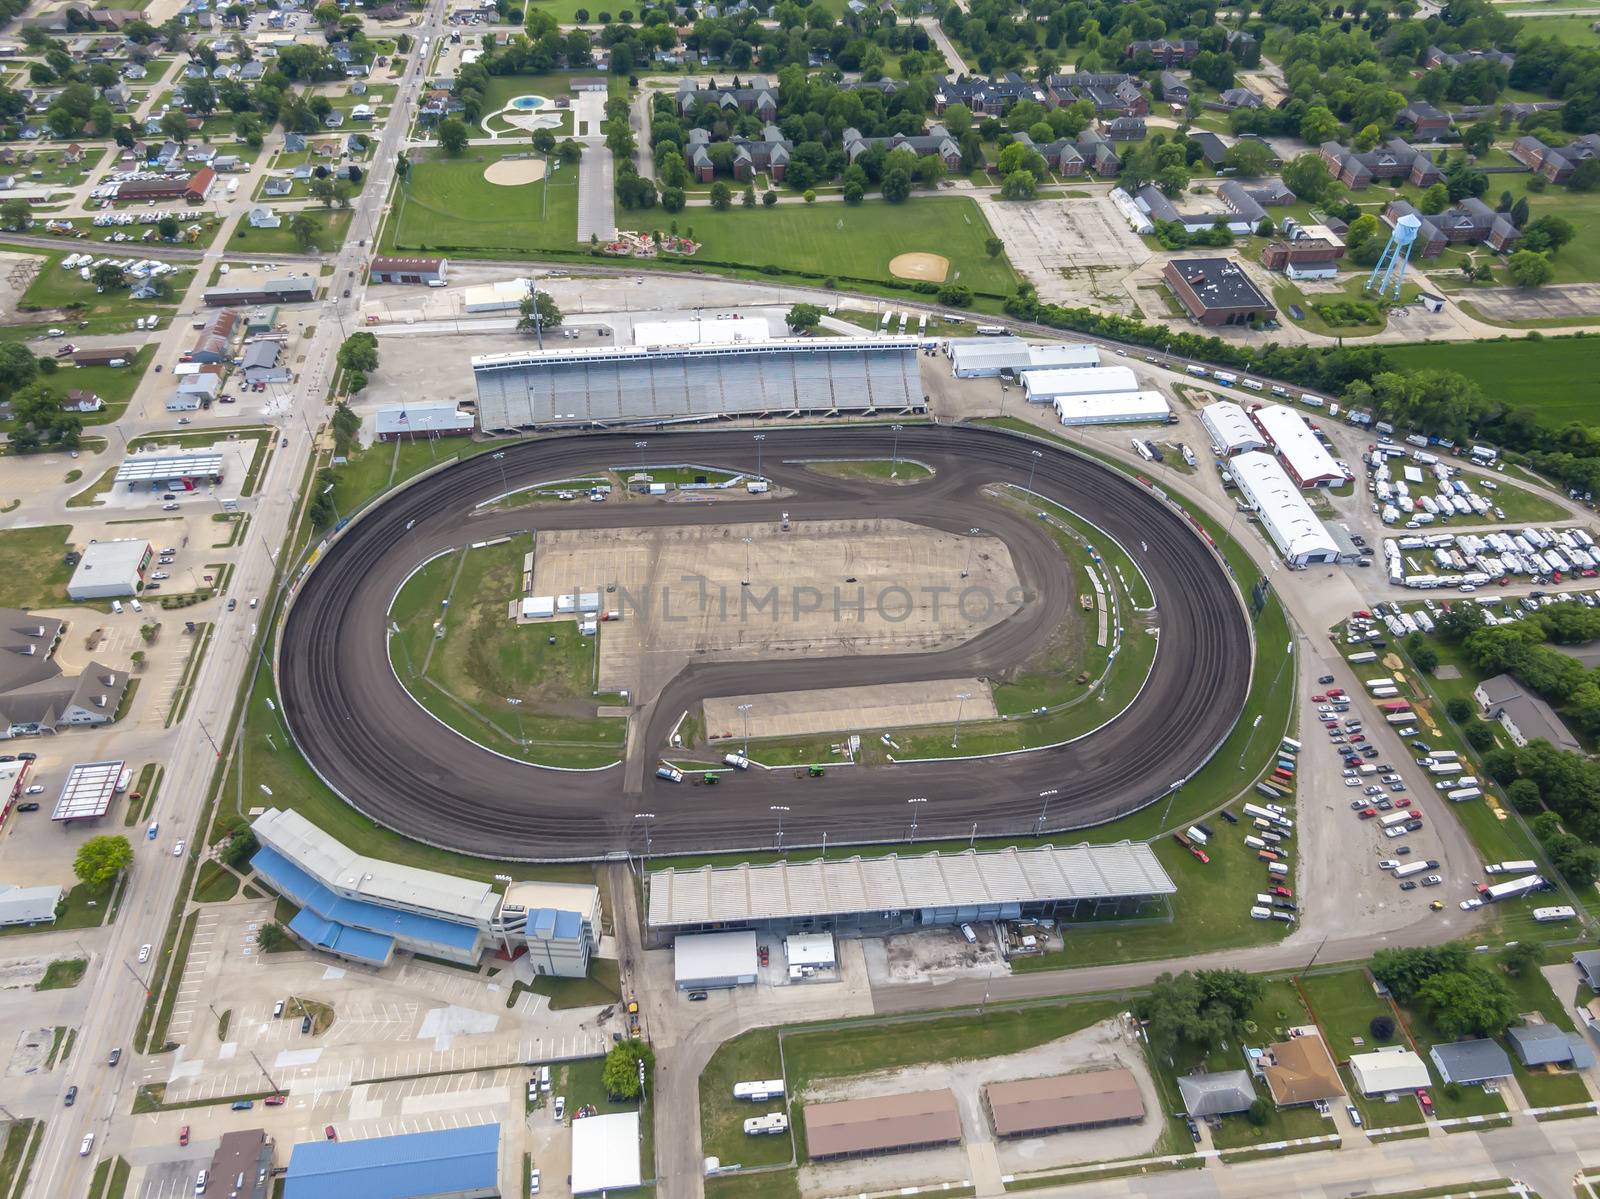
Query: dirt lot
x=848 y=709
x=1102 y=1046
x=681 y=590
x=1073 y=250
x=933 y=953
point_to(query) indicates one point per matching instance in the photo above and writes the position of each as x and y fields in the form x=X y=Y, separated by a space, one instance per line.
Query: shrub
x=1381 y=1028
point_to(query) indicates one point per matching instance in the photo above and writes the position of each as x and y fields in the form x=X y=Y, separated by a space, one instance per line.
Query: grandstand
x=638 y=385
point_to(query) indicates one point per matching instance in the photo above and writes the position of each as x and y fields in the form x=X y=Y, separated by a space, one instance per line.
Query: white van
x=116 y=606
x=544 y=1078
x=136 y=605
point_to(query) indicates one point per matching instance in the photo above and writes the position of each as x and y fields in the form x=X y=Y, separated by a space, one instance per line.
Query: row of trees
x=1460 y=994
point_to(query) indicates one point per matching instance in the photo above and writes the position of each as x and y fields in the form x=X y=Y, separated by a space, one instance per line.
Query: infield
x=935 y=268
x=514 y=172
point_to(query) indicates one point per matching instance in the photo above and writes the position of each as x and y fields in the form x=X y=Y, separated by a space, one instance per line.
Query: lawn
x=82 y=907
x=55 y=289
x=466 y=677
x=1344 y=1005
x=852 y=241
x=1553 y=376
x=36 y=571
x=215 y=884
x=331 y=229
x=752 y=1055
x=113 y=384
x=447 y=204
x=61 y=974
x=1572 y=31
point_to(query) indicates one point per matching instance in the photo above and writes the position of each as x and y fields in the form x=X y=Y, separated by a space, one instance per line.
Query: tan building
x=882 y=1124
x=1035 y=1106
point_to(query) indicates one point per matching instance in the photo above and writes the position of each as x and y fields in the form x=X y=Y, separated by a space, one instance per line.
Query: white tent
x=605 y=1153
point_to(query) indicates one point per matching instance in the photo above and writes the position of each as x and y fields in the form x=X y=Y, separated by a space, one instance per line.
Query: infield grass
x=447 y=204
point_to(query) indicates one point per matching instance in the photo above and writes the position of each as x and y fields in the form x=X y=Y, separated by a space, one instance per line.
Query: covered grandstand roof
x=645 y=385
x=854 y=885
x=333 y=865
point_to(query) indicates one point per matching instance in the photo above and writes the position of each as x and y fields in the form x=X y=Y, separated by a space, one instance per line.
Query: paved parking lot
x=1073 y=250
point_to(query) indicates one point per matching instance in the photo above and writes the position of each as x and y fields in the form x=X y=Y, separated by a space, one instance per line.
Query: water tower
x=1392 y=262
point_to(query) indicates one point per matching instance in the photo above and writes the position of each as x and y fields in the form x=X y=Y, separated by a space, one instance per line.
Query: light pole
x=639 y=445
x=500 y=457
x=1044 y=809
x=972 y=548
x=516 y=705
x=760 y=437
x=744 y=710
x=961 y=702
x=747 y=561
x=779 y=809
x=916 y=806
x=650 y=820
x=1033 y=466
x=328 y=491
x=894 y=451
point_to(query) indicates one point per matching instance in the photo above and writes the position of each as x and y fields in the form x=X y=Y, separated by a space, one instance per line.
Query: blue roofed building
x=456 y=1163
x=364 y=909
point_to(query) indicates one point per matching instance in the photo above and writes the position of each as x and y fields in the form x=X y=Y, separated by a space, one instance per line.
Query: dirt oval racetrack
x=383 y=754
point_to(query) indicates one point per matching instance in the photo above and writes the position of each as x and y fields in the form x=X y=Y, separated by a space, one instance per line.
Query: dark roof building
x=192 y=188
x=1471 y=222
x=1165 y=52
x=1424 y=120
x=985 y=97
x=386 y=269
x=1216 y=291
x=1464 y=1062
x=284 y=289
x=881 y=1124
x=1547 y=1045
x=1111 y=93
x=1436 y=57
x=1217 y=1094
x=1395 y=159
x=242 y=1164
x=1555 y=163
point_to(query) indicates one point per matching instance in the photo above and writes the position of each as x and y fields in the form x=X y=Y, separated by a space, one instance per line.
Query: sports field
x=1556 y=378
x=857 y=241
x=449 y=205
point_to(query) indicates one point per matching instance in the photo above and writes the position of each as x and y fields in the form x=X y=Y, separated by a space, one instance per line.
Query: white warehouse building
x=1305 y=458
x=1043 y=386
x=1230 y=430
x=987 y=357
x=1287 y=518
x=1123 y=407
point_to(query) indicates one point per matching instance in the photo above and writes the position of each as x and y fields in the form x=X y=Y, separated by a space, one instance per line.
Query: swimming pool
x=528 y=103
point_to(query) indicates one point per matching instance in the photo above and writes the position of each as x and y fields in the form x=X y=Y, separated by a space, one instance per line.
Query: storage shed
x=703 y=961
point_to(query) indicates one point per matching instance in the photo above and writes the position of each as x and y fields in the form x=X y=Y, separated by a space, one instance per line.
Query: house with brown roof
x=1032 y=1107
x=882 y=1124
x=1301 y=1070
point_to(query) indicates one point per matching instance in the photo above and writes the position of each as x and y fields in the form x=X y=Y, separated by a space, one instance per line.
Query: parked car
x=1353 y=1113
x=183 y=1135
x=144 y=954
x=560 y=1107
x=331 y=1133
x=243 y=1105
x=71 y=1096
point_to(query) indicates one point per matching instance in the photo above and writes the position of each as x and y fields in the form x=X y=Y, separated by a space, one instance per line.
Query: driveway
x=597 y=212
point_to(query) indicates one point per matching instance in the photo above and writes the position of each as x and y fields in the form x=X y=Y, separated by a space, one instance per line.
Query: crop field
x=1554 y=377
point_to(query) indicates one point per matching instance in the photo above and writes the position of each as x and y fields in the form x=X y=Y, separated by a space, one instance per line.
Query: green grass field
x=36 y=571
x=331 y=229
x=449 y=205
x=1573 y=31
x=851 y=241
x=1554 y=376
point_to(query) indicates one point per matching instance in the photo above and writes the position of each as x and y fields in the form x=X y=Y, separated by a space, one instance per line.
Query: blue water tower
x=1392 y=262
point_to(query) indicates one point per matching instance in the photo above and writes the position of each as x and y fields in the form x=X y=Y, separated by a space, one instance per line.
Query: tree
x=304 y=230
x=955 y=295
x=16 y=214
x=1520 y=957
x=897 y=184
x=1249 y=157
x=1468 y=1003
x=853 y=192
x=100 y=859
x=1381 y=1028
x=721 y=196
x=1478 y=138
x=538 y=311
x=993 y=246
x=1479 y=735
x=1404 y=971
x=108 y=276
x=748 y=198
x=273 y=938
x=621 y=1073
x=1259 y=1112
x=241 y=848
x=168 y=228
x=175 y=125
x=359 y=352
x=1019 y=185
x=452 y=135
x=322 y=509
x=1587 y=177
x=1548 y=234
x=1435 y=200
x=1524 y=796
x=1317 y=126
x=1528 y=269
x=803 y=316
x=1198 y=1008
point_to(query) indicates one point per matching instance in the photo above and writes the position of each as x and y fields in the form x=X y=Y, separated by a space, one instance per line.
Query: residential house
x=1471 y=222
x=1222 y=1093
x=277 y=185
x=72 y=154
x=1547 y=1045
x=1124 y=129
x=1394 y=159
x=79 y=400
x=260 y=363
x=1435 y=57
x=293 y=143
x=1164 y=52
x=261 y=216
x=118 y=95
x=936 y=141
x=985 y=97
x=757 y=96
x=1173 y=89
x=1300 y=1071
x=1239 y=43
x=1467 y=1062
x=1240 y=97
x=334 y=119
x=1111 y=93
x=133 y=72
x=1555 y=163
x=1424 y=120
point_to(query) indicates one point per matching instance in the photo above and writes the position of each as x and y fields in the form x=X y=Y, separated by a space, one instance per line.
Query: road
x=389 y=758
x=152 y=884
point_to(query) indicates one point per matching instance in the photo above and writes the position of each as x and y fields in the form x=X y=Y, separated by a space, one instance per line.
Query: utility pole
x=639 y=445
x=779 y=810
x=744 y=710
x=650 y=819
x=276 y=1090
x=916 y=806
x=760 y=437
x=500 y=457
x=1033 y=466
x=894 y=451
x=972 y=548
x=1044 y=808
x=516 y=705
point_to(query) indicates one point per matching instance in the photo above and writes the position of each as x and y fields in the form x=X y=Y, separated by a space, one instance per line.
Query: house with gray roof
x=1240 y=97
x=1588 y=963
x=1471 y=222
x=1217 y=1094
x=1547 y=1045
x=756 y=96
x=1465 y=1062
x=936 y=141
x=1394 y=159
x=1525 y=716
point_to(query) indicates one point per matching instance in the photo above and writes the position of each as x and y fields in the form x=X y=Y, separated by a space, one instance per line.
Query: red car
x=1368 y=813
x=1282 y=892
x=1424 y=1099
x=1199 y=853
x=274 y=1100
x=1319 y=699
x=330 y=1133
x=183 y=1135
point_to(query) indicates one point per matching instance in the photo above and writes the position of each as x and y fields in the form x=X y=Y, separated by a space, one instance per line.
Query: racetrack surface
x=377 y=748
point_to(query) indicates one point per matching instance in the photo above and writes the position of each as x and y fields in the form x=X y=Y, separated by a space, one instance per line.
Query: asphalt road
x=378 y=749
